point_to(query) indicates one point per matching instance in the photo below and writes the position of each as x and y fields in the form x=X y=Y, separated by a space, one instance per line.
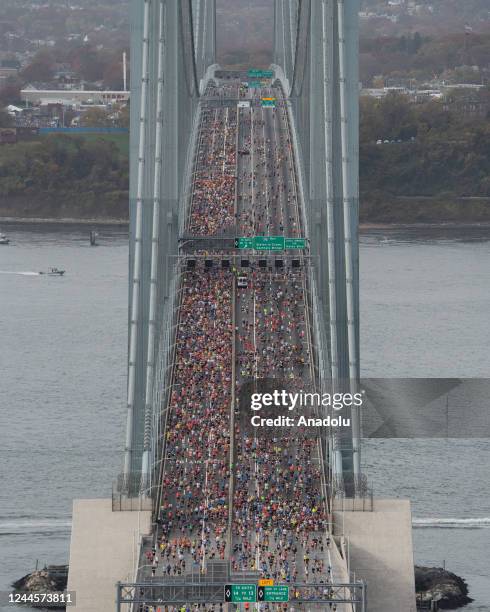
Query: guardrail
x=231 y=486
x=121 y=498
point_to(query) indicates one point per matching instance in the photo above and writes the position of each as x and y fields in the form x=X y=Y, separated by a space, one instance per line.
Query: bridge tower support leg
x=138 y=236
x=165 y=69
x=348 y=37
x=322 y=84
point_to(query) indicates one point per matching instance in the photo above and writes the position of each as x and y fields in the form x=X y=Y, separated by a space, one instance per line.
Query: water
x=62 y=384
x=425 y=303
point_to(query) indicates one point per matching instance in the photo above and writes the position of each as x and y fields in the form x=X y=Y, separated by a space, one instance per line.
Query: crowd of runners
x=278 y=518
x=194 y=508
x=279 y=513
x=195 y=505
x=269 y=199
x=213 y=198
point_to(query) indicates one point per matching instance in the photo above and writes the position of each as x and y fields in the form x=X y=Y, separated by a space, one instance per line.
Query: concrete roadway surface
x=280 y=519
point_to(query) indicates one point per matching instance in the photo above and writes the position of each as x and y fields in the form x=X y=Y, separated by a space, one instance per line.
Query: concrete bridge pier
x=380 y=552
x=104 y=549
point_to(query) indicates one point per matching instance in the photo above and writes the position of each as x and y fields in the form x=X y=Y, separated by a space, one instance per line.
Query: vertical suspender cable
x=348 y=202
x=332 y=280
x=197 y=25
x=213 y=59
x=274 y=46
x=285 y=60
x=205 y=30
x=133 y=336
x=293 y=12
x=155 y=238
x=196 y=22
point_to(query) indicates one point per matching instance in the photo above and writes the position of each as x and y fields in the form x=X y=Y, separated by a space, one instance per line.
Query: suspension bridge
x=244 y=272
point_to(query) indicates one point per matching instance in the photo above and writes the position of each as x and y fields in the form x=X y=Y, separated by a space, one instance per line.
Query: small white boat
x=4 y=240
x=53 y=272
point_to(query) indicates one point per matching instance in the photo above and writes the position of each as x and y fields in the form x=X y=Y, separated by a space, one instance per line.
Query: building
x=72 y=97
x=8 y=72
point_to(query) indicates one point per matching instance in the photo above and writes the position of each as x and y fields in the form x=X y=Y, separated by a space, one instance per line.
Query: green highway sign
x=244 y=243
x=241 y=593
x=268 y=102
x=260 y=74
x=278 y=593
x=254 y=84
x=269 y=243
x=295 y=243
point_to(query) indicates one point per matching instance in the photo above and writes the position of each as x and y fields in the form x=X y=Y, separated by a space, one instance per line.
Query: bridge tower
x=316 y=60
x=173 y=52
x=173 y=46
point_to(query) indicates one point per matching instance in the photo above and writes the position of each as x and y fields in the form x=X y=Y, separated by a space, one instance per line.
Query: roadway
x=277 y=523
x=280 y=515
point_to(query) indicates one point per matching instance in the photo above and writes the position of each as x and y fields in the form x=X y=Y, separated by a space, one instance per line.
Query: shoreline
x=63 y=221
x=124 y=222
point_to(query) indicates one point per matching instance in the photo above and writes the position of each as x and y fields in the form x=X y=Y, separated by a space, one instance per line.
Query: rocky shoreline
x=435 y=584
x=50 y=579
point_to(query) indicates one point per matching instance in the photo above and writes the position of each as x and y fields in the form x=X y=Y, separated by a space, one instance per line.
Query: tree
x=88 y=62
x=432 y=116
x=6 y=120
x=123 y=118
x=113 y=74
x=10 y=92
x=41 y=68
x=371 y=127
x=416 y=43
x=392 y=118
x=96 y=117
x=398 y=117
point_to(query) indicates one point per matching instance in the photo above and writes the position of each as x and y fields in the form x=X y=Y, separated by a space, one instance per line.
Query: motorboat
x=53 y=272
x=4 y=240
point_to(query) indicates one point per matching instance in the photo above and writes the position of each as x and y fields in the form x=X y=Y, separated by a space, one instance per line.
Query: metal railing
x=362 y=501
x=432 y=606
x=135 y=596
x=122 y=499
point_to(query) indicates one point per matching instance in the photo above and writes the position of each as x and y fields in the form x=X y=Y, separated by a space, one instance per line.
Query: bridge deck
x=277 y=522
